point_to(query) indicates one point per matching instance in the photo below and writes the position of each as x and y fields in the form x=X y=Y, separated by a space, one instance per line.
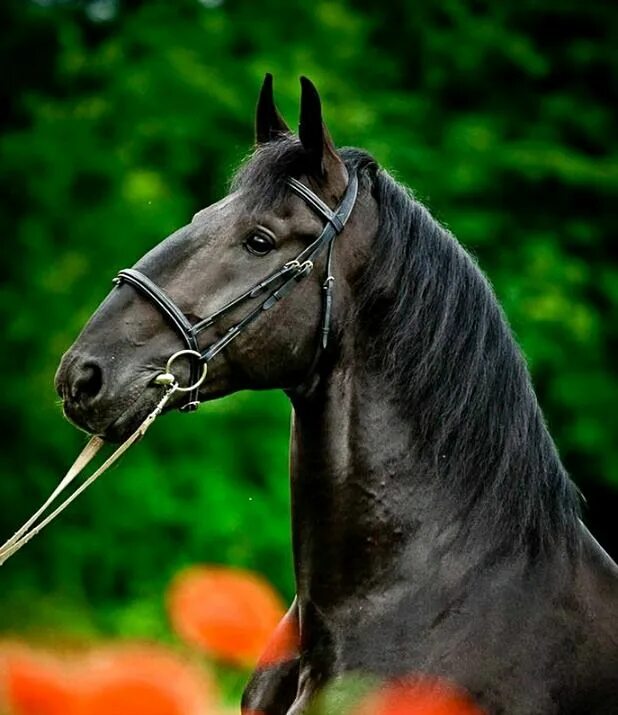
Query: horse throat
x=364 y=505
x=373 y=502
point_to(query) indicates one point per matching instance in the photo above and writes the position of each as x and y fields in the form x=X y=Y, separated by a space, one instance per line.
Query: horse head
x=245 y=289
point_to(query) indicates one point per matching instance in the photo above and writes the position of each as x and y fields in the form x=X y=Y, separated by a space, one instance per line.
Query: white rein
x=31 y=528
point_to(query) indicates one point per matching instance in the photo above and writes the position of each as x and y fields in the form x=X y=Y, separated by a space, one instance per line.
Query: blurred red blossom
x=418 y=696
x=228 y=613
x=283 y=643
x=118 y=680
x=33 y=683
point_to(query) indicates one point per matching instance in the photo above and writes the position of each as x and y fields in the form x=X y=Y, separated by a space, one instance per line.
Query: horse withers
x=435 y=531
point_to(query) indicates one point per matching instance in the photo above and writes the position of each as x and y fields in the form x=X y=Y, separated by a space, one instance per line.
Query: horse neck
x=361 y=498
x=372 y=502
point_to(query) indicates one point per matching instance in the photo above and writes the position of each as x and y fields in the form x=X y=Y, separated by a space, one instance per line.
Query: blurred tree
x=123 y=118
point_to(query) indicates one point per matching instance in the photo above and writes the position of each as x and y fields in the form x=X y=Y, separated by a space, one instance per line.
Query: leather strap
x=335 y=220
x=165 y=304
x=287 y=277
x=315 y=202
x=173 y=313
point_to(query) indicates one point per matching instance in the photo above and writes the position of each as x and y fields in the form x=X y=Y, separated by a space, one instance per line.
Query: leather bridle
x=282 y=281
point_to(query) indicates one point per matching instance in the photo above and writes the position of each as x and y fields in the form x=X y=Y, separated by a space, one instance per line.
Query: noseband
x=282 y=281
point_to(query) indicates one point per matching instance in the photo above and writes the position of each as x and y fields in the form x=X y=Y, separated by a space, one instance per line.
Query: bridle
x=282 y=281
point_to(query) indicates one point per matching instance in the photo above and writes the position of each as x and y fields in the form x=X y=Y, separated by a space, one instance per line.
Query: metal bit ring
x=165 y=378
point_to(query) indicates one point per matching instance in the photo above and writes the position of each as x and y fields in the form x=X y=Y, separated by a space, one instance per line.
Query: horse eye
x=259 y=244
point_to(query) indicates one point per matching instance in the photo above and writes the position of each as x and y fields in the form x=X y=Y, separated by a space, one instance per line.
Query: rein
x=31 y=528
x=287 y=277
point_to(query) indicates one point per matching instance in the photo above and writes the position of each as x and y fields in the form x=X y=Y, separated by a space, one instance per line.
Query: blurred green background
x=122 y=118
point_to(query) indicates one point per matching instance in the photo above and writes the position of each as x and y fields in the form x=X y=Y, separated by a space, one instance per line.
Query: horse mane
x=444 y=350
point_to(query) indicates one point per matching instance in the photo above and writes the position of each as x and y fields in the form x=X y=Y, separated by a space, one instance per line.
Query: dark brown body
x=435 y=531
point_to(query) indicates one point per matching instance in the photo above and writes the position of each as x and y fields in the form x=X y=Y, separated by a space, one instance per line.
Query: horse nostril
x=87 y=382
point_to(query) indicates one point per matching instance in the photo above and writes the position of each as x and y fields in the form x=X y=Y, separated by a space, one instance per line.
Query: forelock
x=263 y=176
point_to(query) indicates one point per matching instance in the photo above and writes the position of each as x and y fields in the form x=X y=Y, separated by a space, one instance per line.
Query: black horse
x=435 y=530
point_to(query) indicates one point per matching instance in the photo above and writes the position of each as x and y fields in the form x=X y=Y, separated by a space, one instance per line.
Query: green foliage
x=125 y=118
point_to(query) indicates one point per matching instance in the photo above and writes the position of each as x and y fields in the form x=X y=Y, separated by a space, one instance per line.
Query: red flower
x=120 y=680
x=228 y=613
x=32 y=684
x=283 y=644
x=130 y=680
x=418 y=696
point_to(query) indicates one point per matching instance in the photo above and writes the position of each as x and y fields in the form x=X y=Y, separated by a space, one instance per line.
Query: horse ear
x=324 y=161
x=268 y=122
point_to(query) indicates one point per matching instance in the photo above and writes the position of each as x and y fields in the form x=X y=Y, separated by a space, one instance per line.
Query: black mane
x=447 y=354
